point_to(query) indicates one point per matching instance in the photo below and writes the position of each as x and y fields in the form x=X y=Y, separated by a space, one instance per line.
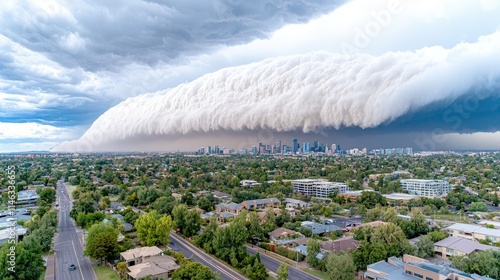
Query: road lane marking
x=79 y=267
x=213 y=262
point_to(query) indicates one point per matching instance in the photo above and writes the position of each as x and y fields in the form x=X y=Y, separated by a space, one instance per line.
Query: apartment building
x=426 y=188
x=261 y=203
x=318 y=188
x=459 y=246
x=411 y=268
x=474 y=232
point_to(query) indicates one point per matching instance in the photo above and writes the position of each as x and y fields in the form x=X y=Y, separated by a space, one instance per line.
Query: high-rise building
x=295 y=145
x=278 y=147
x=334 y=148
x=254 y=150
x=315 y=146
x=306 y=147
x=216 y=149
x=209 y=149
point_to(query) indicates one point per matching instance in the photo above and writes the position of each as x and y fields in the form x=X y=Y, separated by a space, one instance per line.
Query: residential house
x=249 y=183
x=295 y=203
x=411 y=268
x=284 y=236
x=340 y=245
x=317 y=228
x=156 y=267
x=232 y=207
x=139 y=255
x=222 y=196
x=261 y=203
x=459 y=246
x=302 y=249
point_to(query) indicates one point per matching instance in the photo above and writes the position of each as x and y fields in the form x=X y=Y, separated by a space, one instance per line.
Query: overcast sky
x=421 y=74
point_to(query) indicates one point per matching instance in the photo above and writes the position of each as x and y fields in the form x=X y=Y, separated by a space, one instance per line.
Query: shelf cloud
x=448 y=88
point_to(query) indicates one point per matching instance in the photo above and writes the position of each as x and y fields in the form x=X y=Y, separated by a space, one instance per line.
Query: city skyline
x=80 y=77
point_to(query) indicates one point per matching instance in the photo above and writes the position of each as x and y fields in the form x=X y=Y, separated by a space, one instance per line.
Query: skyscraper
x=295 y=145
x=306 y=147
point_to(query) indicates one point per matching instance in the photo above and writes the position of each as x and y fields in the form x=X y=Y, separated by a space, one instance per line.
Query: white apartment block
x=427 y=188
x=318 y=188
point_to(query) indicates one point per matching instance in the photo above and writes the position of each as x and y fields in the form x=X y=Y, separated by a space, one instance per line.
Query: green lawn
x=105 y=273
x=450 y=217
x=71 y=189
x=317 y=273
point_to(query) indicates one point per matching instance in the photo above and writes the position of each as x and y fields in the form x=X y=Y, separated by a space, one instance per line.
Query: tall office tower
x=216 y=149
x=334 y=148
x=261 y=148
x=295 y=144
x=254 y=150
x=287 y=149
x=409 y=151
x=278 y=147
x=315 y=146
x=306 y=147
x=202 y=150
x=209 y=149
x=321 y=148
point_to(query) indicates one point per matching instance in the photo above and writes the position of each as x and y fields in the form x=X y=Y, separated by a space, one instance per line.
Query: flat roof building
x=426 y=188
x=318 y=188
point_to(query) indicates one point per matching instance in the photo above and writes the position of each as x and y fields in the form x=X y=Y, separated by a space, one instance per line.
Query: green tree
x=254 y=228
x=28 y=262
x=437 y=235
x=205 y=204
x=478 y=207
x=340 y=266
x=313 y=249
x=122 y=268
x=193 y=271
x=153 y=228
x=424 y=247
x=48 y=196
x=256 y=270
x=187 y=221
x=282 y=271
x=102 y=242
x=370 y=199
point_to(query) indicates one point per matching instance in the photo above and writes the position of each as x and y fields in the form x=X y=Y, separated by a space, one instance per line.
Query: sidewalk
x=51 y=268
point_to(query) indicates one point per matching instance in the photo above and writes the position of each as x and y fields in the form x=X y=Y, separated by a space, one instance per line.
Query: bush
x=282 y=251
x=265 y=246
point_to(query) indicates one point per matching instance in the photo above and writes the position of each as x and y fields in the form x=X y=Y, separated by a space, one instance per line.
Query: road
x=68 y=246
x=273 y=265
x=180 y=245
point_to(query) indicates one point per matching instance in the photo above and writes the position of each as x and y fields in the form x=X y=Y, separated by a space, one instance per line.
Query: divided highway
x=180 y=245
x=272 y=265
x=68 y=246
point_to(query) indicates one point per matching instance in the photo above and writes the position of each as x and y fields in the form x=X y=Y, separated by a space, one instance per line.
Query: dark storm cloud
x=109 y=34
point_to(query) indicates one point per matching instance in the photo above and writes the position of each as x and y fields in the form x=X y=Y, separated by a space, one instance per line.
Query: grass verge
x=317 y=273
x=105 y=273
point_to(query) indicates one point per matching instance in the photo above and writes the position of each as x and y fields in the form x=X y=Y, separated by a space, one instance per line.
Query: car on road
x=346 y=230
x=72 y=267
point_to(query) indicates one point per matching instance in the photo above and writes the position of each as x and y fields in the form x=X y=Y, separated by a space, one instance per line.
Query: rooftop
x=141 y=252
x=463 y=245
x=156 y=265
